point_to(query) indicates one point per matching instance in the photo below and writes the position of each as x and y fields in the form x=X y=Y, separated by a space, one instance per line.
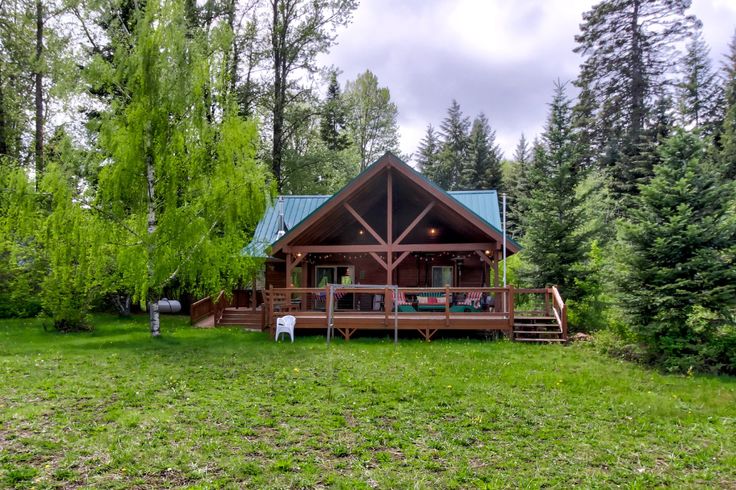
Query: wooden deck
x=541 y=319
x=426 y=323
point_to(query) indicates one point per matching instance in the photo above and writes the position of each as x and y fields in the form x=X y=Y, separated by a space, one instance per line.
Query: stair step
x=550 y=318
x=535 y=324
x=540 y=340
x=538 y=332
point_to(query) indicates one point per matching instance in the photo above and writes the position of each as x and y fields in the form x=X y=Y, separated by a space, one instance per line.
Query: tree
x=482 y=170
x=21 y=267
x=626 y=45
x=333 y=120
x=553 y=216
x=371 y=118
x=518 y=186
x=298 y=31
x=183 y=188
x=428 y=153
x=454 y=131
x=678 y=251
x=699 y=93
x=728 y=136
x=67 y=238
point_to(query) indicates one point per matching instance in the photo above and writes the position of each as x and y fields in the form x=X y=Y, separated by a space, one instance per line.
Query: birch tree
x=183 y=188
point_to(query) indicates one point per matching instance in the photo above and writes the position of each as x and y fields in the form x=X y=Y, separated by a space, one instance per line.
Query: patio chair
x=285 y=324
x=473 y=300
x=401 y=303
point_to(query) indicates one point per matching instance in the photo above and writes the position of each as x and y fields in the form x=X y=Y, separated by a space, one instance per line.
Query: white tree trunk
x=151 y=229
x=154 y=318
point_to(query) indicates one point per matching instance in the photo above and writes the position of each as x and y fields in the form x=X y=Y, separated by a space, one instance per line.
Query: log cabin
x=390 y=251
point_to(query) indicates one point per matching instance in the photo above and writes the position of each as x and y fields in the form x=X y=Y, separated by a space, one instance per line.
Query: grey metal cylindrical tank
x=169 y=306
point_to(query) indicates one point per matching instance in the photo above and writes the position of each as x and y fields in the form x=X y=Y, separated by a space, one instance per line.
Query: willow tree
x=183 y=188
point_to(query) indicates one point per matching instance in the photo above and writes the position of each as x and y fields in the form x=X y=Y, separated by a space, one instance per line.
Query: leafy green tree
x=182 y=187
x=21 y=267
x=455 y=146
x=372 y=118
x=333 y=120
x=553 y=216
x=677 y=256
x=626 y=45
x=298 y=31
x=482 y=170
x=67 y=238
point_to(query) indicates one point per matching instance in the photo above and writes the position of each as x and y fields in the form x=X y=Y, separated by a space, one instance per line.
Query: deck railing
x=201 y=309
x=498 y=304
x=560 y=310
x=219 y=307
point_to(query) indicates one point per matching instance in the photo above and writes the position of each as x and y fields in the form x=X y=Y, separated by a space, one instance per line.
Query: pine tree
x=482 y=169
x=553 y=216
x=518 y=186
x=333 y=119
x=428 y=153
x=678 y=250
x=728 y=136
x=625 y=45
x=455 y=145
x=699 y=94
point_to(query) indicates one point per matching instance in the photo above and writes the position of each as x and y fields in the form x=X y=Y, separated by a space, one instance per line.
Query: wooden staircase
x=540 y=329
x=244 y=317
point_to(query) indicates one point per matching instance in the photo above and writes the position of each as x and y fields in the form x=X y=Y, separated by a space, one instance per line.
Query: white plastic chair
x=285 y=324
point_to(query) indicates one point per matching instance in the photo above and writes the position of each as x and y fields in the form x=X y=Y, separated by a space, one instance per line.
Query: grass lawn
x=228 y=408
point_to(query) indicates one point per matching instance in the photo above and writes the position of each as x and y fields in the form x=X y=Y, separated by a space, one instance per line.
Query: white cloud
x=493 y=56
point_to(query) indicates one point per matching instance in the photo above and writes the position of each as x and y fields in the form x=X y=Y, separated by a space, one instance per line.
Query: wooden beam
x=442 y=247
x=484 y=257
x=400 y=258
x=413 y=247
x=364 y=224
x=379 y=259
x=497 y=256
x=389 y=227
x=289 y=268
x=416 y=221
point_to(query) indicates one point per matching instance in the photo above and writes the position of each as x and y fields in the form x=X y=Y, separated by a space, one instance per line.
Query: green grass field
x=228 y=408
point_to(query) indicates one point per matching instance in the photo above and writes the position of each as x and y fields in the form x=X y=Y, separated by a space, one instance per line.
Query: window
x=441 y=276
x=333 y=274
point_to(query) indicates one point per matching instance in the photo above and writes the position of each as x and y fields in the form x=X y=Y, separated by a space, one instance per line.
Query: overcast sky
x=499 y=57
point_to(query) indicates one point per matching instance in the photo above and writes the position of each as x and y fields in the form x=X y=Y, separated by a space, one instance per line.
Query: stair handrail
x=220 y=304
x=561 y=315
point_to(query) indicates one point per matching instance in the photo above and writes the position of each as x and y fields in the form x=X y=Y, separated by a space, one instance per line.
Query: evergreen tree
x=728 y=136
x=518 y=187
x=625 y=45
x=678 y=252
x=699 y=93
x=428 y=153
x=455 y=145
x=333 y=119
x=482 y=170
x=553 y=216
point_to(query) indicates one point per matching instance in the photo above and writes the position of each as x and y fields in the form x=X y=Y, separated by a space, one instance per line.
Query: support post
x=510 y=303
x=447 y=305
x=269 y=318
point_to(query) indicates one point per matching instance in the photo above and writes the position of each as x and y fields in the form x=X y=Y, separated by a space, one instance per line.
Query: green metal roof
x=483 y=203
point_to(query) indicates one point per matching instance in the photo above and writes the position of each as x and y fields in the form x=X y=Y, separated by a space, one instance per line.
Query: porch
x=528 y=315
